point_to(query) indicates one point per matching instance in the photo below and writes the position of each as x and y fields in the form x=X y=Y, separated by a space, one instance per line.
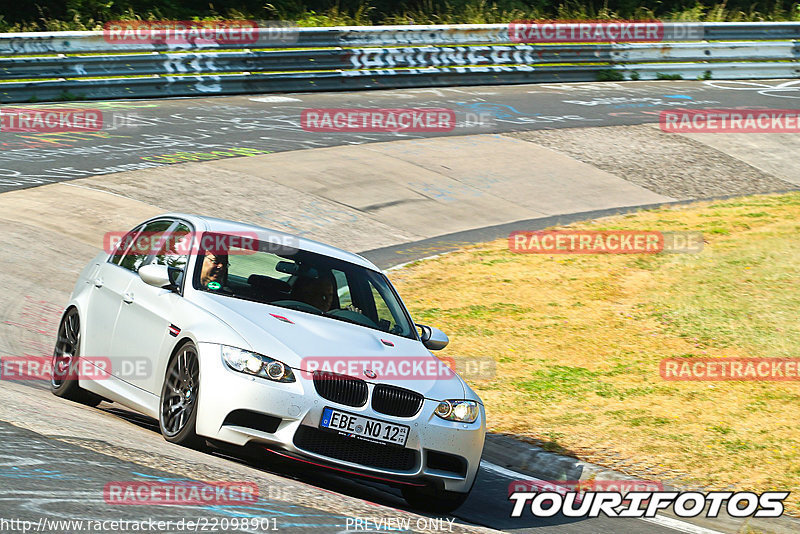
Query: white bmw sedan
x=237 y=334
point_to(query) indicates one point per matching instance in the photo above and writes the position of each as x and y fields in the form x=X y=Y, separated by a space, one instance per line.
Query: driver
x=214 y=271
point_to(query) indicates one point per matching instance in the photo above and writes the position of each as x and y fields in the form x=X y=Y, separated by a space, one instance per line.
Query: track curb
x=513 y=453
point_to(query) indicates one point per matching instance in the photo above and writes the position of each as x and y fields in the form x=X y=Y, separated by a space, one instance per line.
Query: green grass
x=744 y=297
x=475 y=312
x=91 y=14
x=578 y=342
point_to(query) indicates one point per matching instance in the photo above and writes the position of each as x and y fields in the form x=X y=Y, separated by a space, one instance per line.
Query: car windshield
x=303 y=281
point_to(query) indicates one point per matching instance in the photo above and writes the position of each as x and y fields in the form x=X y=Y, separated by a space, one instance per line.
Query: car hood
x=312 y=342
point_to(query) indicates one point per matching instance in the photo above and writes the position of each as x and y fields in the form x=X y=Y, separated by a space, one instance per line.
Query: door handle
x=98 y=282
x=127 y=297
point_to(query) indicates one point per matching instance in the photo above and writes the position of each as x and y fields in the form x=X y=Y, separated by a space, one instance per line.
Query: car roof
x=213 y=224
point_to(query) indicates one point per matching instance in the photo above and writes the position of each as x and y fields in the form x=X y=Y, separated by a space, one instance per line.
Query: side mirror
x=159 y=276
x=432 y=337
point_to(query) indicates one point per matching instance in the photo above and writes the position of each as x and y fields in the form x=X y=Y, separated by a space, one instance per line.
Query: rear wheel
x=63 y=379
x=178 y=407
x=430 y=500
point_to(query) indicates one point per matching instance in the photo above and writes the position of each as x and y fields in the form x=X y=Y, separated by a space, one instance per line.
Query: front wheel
x=430 y=500
x=63 y=382
x=178 y=408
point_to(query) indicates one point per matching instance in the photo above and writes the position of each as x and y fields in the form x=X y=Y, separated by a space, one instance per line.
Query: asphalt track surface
x=60 y=475
x=150 y=133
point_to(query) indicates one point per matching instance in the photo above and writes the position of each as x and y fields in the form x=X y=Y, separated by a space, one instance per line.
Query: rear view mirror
x=289 y=267
x=286 y=267
x=432 y=337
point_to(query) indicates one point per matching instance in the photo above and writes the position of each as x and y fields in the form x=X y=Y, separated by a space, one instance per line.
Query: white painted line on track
x=401 y=265
x=668 y=522
x=680 y=526
x=489 y=466
x=274 y=99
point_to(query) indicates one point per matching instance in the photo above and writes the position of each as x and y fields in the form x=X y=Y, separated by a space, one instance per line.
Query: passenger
x=317 y=292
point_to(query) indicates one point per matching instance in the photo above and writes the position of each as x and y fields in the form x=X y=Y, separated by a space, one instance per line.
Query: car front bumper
x=293 y=412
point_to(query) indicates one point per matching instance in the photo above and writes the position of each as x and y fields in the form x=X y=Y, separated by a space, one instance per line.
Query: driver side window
x=123 y=245
x=175 y=251
x=142 y=248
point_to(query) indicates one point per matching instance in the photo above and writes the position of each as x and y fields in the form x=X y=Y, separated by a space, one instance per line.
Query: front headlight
x=463 y=411
x=251 y=363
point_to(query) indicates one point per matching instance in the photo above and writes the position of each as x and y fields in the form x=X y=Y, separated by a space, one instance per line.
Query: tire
x=433 y=501
x=63 y=383
x=177 y=414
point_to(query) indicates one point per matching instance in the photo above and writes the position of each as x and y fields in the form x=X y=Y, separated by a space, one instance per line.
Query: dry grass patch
x=578 y=341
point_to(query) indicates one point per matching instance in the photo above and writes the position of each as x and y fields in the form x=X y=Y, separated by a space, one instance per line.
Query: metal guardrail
x=309 y=59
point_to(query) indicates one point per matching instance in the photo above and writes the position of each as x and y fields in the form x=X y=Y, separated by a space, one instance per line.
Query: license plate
x=364 y=428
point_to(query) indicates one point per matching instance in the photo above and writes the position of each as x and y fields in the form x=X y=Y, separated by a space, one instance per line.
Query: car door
x=109 y=282
x=142 y=336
